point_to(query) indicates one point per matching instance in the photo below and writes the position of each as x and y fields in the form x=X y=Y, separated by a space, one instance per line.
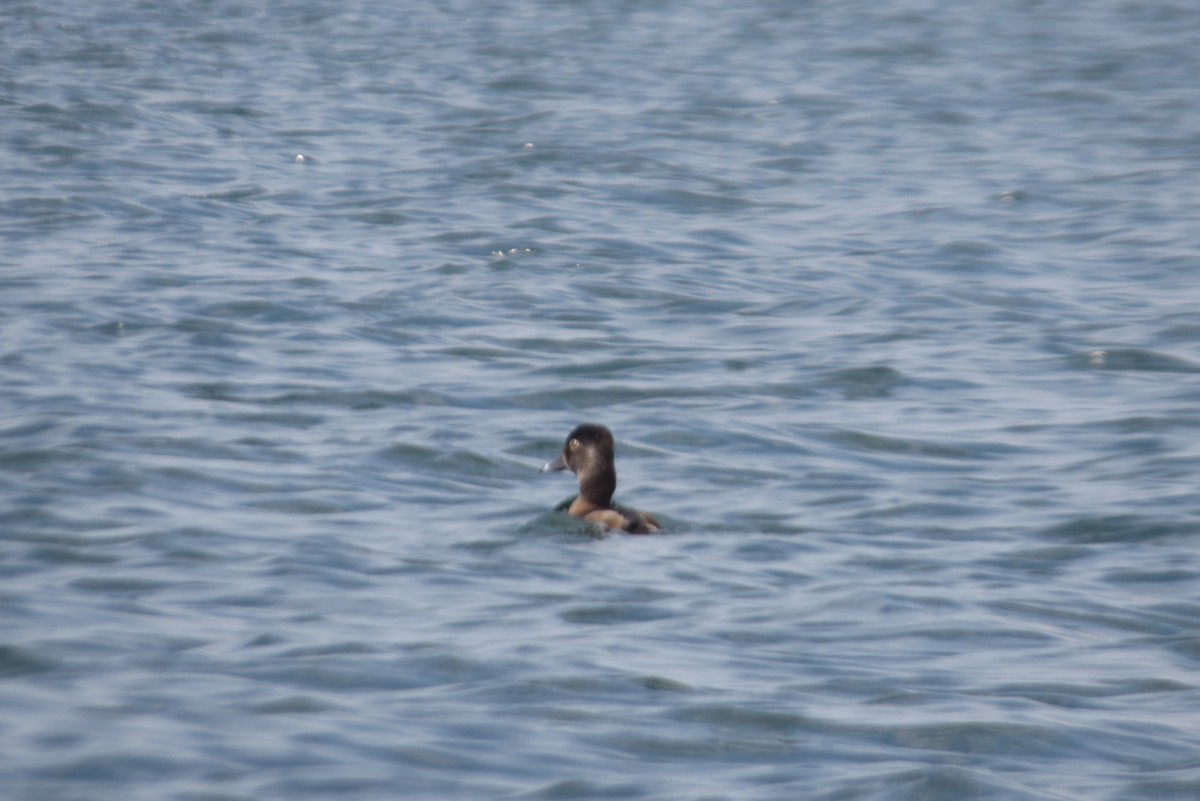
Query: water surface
x=891 y=306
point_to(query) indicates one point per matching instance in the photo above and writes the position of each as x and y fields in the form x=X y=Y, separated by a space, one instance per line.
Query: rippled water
x=892 y=307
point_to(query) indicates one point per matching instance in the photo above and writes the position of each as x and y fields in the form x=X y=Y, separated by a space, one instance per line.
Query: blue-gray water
x=893 y=307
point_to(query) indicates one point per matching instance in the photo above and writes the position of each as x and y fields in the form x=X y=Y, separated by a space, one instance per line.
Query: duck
x=588 y=453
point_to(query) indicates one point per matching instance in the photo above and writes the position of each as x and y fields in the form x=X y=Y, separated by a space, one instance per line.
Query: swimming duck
x=588 y=453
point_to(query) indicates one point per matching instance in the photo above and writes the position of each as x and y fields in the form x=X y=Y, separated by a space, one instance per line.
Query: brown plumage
x=588 y=453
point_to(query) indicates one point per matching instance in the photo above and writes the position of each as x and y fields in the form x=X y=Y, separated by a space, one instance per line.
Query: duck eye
x=573 y=444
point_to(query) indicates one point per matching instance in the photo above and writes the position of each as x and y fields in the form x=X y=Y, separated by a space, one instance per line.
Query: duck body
x=589 y=453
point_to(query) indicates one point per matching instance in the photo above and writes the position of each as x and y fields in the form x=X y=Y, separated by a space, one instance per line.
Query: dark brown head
x=588 y=453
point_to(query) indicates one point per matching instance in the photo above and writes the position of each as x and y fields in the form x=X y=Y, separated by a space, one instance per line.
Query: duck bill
x=553 y=467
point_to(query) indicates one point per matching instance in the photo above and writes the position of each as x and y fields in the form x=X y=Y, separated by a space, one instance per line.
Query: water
x=891 y=306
